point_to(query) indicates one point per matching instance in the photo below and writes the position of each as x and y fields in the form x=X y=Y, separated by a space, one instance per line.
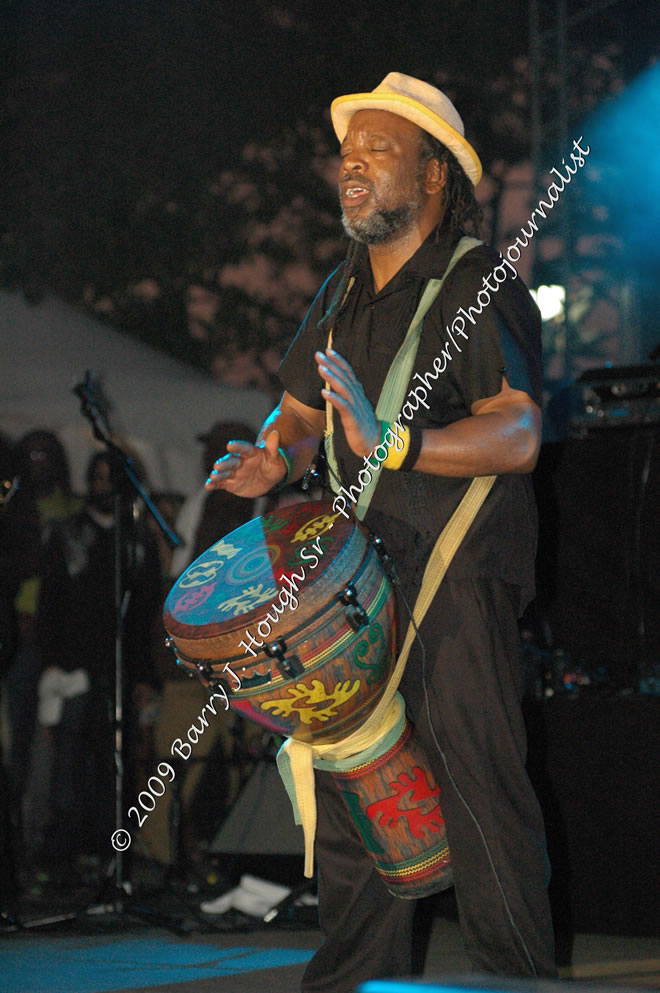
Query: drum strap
x=296 y=759
x=396 y=382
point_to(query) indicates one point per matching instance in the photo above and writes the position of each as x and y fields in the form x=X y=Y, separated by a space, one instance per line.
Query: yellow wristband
x=396 y=454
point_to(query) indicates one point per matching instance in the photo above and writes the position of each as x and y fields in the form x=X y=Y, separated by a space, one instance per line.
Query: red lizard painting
x=423 y=815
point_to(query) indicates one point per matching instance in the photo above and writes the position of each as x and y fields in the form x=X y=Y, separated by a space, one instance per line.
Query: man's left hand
x=346 y=395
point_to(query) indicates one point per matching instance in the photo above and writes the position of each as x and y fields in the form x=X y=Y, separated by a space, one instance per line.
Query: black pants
x=463 y=697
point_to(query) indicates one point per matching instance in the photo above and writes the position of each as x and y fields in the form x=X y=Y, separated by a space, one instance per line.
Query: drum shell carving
x=332 y=675
x=394 y=803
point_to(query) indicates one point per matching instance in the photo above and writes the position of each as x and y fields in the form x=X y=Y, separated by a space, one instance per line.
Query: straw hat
x=420 y=103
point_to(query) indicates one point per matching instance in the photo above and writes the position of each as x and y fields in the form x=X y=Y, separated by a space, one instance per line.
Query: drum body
x=295 y=616
x=394 y=802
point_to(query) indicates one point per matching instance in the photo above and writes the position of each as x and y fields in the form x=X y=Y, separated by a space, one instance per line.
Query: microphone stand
x=122 y=473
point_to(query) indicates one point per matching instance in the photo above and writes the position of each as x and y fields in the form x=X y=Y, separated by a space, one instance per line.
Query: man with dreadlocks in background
x=406 y=191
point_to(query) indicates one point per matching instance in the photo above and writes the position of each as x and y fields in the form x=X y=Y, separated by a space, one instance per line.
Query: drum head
x=292 y=614
x=235 y=582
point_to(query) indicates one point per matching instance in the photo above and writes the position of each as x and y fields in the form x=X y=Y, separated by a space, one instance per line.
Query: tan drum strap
x=295 y=759
x=396 y=382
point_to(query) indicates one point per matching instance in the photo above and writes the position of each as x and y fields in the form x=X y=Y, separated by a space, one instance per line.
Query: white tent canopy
x=158 y=405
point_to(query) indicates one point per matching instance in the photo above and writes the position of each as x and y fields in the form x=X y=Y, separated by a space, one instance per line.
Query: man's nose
x=353 y=163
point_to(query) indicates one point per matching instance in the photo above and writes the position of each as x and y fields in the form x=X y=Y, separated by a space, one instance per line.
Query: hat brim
x=343 y=108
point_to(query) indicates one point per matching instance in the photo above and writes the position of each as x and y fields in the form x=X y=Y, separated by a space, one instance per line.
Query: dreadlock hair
x=354 y=255
x=462 y=212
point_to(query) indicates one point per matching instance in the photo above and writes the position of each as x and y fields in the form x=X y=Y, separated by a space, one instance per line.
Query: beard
x=382 y=223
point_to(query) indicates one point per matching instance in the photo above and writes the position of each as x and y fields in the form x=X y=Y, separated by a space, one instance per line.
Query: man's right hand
x=249 y=470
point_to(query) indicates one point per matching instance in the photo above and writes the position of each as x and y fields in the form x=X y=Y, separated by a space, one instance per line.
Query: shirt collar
x=433 y=255
x=429 y=262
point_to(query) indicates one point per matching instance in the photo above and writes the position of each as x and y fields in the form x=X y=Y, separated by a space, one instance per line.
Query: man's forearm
x=300 y=431
x=490 y=443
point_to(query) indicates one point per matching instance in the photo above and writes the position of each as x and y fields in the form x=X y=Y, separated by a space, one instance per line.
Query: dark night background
x=166 y=163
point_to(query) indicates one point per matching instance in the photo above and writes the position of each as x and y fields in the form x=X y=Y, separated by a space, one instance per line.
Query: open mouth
x=354 y=195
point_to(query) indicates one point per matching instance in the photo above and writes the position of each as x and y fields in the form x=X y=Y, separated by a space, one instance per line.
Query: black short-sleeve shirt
x=408 y=510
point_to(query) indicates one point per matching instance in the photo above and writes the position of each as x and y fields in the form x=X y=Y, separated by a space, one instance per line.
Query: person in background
x=203 y=519
x=43 y=497
x=76 y=630
x=8 y=489
x=8 y=873
x=168 y=504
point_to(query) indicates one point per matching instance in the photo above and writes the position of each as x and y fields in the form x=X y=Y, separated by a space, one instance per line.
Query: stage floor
x=160 y=943
x=126 y=959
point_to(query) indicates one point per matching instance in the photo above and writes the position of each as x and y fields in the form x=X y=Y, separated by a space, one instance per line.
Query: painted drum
x=395 y=804
x=294 y=615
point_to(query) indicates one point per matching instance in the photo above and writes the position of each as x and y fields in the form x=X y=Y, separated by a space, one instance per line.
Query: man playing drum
x=406 y=188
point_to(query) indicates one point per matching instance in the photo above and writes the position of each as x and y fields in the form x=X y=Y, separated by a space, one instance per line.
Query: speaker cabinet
x=598 y=579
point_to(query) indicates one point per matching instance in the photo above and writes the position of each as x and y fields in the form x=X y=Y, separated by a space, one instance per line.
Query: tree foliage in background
x=172 y=166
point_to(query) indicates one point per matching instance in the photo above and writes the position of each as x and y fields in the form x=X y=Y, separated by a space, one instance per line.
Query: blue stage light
x=624 y=167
